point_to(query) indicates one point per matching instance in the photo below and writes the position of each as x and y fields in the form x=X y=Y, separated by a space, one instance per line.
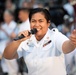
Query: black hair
x=44 y=11
x=24 y=9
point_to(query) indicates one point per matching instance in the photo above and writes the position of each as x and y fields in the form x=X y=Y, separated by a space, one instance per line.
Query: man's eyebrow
x=39 y=19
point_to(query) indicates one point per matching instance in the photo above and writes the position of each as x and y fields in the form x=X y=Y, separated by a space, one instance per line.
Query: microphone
x=32 y=31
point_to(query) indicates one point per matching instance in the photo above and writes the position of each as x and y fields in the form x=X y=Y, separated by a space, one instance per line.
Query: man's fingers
x=74 y=32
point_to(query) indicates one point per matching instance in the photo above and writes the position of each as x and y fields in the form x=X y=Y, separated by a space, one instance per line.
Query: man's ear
x=49 y=23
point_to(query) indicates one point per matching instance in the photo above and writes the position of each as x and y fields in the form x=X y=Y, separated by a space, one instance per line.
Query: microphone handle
x=33 y=31
x=20 y=37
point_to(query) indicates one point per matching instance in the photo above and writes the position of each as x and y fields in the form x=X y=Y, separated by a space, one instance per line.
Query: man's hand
x=73 y=37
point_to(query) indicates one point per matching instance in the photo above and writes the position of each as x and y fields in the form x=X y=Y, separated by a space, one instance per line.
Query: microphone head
x=33 y=31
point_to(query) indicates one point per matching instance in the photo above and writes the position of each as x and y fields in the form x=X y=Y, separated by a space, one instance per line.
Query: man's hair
x=9 y=12
x=24 y=9
x=42 y=10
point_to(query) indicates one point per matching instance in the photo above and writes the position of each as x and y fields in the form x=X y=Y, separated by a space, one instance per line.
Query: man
x=23 y=16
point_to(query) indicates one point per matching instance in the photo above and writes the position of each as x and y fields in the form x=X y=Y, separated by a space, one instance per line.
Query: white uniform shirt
x=24 y=26
x=70 y=61
x=12 y=27
x=44 y=57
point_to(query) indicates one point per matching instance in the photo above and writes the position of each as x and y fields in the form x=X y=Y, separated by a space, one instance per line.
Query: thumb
x=74 y=32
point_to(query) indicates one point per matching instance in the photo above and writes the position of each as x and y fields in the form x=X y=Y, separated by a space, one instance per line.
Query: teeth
x=38 y=29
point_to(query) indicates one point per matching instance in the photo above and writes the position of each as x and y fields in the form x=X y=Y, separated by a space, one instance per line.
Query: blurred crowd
x=14 y=19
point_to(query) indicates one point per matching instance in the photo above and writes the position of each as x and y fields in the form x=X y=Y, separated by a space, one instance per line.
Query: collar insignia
x=47 y=43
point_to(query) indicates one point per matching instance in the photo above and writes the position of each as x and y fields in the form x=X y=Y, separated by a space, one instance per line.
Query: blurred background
x=13 y=19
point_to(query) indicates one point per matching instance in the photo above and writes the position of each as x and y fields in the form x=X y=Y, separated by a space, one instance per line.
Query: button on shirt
x=44 y=57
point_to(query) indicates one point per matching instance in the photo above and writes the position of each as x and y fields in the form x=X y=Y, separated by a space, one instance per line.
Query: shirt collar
x=45 y=39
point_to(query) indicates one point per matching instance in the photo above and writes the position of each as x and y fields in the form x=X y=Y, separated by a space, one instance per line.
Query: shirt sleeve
x=60 y=39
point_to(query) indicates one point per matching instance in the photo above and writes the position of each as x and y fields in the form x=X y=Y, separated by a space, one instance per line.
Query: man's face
x=39 y=22
x=21 y=14
x=7 y=17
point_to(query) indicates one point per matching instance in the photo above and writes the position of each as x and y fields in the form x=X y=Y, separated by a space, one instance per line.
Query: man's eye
x=32 y=21
x=41 y=21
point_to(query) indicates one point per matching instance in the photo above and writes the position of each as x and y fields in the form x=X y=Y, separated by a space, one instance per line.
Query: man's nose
x=37 y=24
